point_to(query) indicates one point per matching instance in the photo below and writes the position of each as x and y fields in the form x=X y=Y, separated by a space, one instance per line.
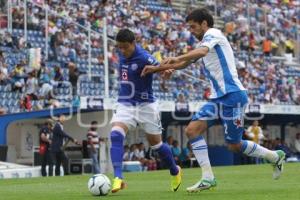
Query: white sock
x=200 y=151
x=252 y=149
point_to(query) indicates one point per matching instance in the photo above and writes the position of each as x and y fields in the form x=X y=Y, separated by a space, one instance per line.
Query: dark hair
x=49 y=122
x=94 y=122
x=60 y=115
x=199 y=15
x=125 y=35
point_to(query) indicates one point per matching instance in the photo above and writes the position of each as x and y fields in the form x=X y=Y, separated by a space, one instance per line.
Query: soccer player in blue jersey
x=227 y=100
x=137 y=105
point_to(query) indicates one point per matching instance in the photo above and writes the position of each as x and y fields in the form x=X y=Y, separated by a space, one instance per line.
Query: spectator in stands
x=3 y=76
x=57 y=148
x=8 y=40
x=133 y=152
x=297 y=145
x=58 y=76
x=18 y=16
x=2 y=111
x=25 y=103
x=31 y=86
x=267 y=46
x=93 y=146
x=141 y=156
x=290 y=46
x=170 y=141
x=255 y=133
x=2 y=59
x=55 y=40
x=18 y=76
x=45 y=142
x=126 y=153
x=181 y=104
x=73 y=76
x=44 y=77
x=20 y=42
x=176 y=151
x=279 y=144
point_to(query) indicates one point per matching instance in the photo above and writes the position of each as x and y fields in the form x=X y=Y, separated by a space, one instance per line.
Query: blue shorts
x=229 y=110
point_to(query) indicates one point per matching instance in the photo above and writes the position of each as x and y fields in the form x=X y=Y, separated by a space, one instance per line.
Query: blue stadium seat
x=9 y=95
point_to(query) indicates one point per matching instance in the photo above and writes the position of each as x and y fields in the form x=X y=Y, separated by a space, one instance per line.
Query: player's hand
x=170 y=60
x=167 y=74
x=148 y=69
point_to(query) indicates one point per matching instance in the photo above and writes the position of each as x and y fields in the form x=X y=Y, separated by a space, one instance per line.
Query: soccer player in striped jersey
x=227 y=100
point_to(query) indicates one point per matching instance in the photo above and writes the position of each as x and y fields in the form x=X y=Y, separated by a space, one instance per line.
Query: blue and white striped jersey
x=219 y=64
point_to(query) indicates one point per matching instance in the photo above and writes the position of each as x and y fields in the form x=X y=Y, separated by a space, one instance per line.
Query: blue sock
x=116 y=152
x=166 y=156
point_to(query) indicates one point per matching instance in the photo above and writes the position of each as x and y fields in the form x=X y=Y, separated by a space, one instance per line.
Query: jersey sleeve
x=209 y=41
x=150 y=60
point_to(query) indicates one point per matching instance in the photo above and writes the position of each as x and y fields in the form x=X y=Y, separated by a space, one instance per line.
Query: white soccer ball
x=99 y=185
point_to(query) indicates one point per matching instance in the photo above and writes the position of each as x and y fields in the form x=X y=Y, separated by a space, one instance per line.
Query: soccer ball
x=99 y=185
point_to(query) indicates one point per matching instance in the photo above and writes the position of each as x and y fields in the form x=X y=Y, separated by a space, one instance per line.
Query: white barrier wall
x=216 y=136
x=23 y=135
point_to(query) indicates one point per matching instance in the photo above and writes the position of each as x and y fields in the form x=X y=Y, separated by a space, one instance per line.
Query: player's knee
x=234 y=147
x=191 y=132
x=154 y=140
x=117 y=135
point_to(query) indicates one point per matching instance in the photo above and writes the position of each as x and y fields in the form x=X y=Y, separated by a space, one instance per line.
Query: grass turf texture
x=248 y=182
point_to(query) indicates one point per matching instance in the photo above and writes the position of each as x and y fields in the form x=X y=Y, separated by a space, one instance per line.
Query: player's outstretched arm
x=163 y=68
x=193 y=55
x=177 y=63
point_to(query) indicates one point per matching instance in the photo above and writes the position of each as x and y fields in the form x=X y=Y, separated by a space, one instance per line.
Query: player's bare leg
x=199 y=146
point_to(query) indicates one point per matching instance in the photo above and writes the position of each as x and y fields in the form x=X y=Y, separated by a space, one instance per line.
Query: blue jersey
x=133 y=88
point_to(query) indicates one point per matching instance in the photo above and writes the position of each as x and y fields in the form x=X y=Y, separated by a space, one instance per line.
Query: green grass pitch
x=249 y=182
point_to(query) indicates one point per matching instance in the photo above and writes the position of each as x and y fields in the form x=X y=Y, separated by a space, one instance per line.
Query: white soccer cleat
x=202 y=185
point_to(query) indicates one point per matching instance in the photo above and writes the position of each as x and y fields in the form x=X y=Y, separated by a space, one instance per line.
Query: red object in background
x=42 y=149
x=26 y=103
x=3 y=21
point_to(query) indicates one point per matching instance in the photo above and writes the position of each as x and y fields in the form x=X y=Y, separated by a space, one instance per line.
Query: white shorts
x=147 y=116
